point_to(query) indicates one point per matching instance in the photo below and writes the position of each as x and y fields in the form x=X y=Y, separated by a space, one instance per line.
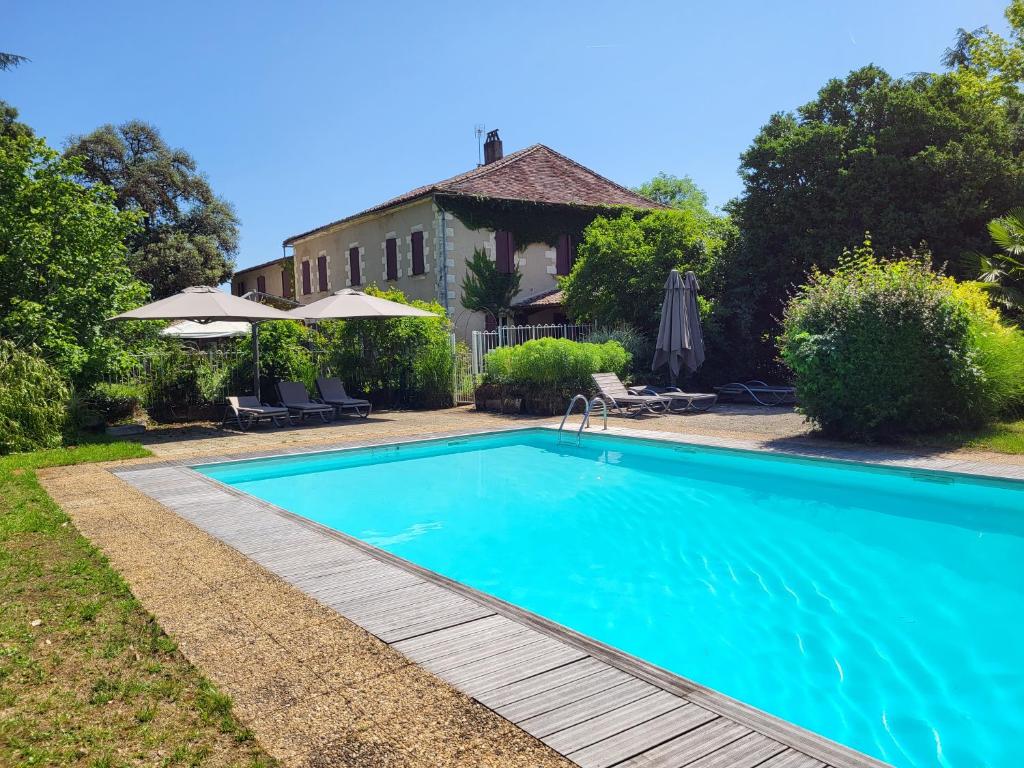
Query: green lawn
x=1002 y=437
x=87 y=677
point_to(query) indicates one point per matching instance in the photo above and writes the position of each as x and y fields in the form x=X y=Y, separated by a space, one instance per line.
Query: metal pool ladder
x=585 y=423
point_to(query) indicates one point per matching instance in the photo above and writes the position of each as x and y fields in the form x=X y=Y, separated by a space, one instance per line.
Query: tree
x=189 y=235
x=620 y=271
x=10 y=61
x=9 y=124
x=675 y=192
x=485 y=289
x=62 y=260
x=917 y=161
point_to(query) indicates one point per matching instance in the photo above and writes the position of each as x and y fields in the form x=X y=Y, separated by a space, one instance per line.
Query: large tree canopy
x=620 y=271
x=62 y=260
x=923 y=160
x=675 y=192
x=189 y=235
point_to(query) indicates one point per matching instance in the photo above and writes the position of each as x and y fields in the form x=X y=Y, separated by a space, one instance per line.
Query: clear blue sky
x=301 y=113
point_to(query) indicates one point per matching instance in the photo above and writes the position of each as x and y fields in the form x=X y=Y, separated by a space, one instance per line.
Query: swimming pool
x=881 y=608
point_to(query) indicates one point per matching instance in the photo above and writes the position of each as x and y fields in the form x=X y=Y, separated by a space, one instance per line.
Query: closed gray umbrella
x=680 y=341
x=205 y=304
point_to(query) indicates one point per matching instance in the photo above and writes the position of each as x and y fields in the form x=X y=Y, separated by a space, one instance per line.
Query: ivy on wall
x=528 y=221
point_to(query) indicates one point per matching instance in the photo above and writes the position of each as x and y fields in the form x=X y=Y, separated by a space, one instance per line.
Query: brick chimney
x=492 y=148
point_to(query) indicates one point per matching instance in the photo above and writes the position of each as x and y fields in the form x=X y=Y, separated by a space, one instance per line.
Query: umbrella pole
x=256 y=360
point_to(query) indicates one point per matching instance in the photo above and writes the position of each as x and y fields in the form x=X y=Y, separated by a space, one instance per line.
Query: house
x=526 y=210
x=276 y=278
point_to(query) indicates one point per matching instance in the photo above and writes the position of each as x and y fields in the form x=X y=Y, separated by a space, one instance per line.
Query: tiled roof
x=264 y=265
x=534 y=174
x=552 y=298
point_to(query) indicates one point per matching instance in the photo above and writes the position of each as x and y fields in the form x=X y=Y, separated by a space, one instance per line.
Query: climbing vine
x=528 y=221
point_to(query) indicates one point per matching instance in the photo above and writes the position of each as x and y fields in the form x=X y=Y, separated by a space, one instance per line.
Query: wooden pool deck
x=589 y=702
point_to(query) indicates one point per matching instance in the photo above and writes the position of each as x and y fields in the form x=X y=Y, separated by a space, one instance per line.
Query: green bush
x=284 y=356
x=545 y=373
x=403 y=362
x=117 y=402
x=639 y=346
x=33 y=401
x=883 y=349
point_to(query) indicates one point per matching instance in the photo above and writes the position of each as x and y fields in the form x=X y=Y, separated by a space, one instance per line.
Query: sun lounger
x=296 y=399
x=332 y=392
x=615 y=394
x=759 y=392
x=679 y=401
x=246 y=410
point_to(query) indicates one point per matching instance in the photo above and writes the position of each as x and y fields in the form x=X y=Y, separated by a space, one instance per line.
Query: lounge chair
x=296 y=399
x=617 y=397
x=759 y=392
x=246 y=410
x=680 y=402
x=332 y=392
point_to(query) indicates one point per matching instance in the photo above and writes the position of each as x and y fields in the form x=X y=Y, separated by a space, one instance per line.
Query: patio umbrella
x=349 y=303
x=206 y=305
x=680 y=341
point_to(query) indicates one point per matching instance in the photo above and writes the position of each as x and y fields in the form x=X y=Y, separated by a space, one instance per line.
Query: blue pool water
x=881 y=608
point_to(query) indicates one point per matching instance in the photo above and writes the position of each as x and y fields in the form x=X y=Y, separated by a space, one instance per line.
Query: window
x=261 y=284
x=321 y=271
x=391 y=257
x=418 y=267
x=240 y=287
x=353 y=265
x=565 y=255
x=287 y=279
x=307 y=283
x=503 y=251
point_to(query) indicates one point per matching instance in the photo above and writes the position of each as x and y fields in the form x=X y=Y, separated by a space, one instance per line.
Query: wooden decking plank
x=586 y=708
x=562 y=695
x=792 y=759
x=492 y=647
x=412 y=607
x=481 y=685
x=429 y=646
x=498 y=661
x=618 y=720
x=438 y=622
x=643 y=737
x=690 y=746
x=747 y=752
x=509 y=694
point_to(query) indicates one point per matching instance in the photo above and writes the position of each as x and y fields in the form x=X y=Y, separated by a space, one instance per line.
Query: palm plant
x=485 y=289
x=1002 y=274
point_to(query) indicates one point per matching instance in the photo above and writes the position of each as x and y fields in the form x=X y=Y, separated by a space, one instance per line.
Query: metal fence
x=483 y=342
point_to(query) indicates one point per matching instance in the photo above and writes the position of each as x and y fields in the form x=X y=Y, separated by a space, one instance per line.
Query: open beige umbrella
x=349 y=303
x=205 y=305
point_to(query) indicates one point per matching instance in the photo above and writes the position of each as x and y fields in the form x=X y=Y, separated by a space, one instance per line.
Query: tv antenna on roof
x=479 y=129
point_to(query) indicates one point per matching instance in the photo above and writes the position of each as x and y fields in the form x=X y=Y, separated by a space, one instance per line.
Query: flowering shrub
x=880 y=349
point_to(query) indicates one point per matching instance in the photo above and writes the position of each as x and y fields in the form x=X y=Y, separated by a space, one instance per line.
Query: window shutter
x=418 y=267
x=503 y=251
x=564 y=255
x=307 y=283
x=321 y=273
x=353 y=266
x=241 y=287
x=261 y=284
x=391 y=255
